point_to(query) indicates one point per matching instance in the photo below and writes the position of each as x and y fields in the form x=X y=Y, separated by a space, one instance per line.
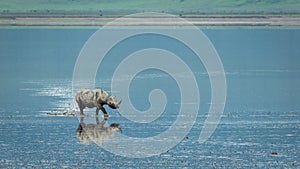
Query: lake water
x=260 y=126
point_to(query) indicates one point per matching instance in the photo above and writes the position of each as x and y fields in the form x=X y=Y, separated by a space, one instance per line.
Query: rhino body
x=90 y=98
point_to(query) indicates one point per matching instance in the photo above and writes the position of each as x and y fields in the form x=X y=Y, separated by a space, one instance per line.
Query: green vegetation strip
x=168 y=6
x=95 y=13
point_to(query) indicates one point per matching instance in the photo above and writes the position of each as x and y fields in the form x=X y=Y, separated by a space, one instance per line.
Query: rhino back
x=87 y=98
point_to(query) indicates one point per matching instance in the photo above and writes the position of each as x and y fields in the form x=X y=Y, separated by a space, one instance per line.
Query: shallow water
x=258 y=129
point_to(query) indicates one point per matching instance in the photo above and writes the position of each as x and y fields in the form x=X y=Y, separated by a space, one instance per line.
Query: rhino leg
x=81 y=106
x=81 y=111
x=100 y=107
x=103 y=110
x=97 y=111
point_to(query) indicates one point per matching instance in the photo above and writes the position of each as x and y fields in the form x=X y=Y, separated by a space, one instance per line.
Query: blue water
x=260 y=127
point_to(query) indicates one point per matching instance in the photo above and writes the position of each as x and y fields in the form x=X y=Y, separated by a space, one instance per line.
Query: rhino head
x=113 y=103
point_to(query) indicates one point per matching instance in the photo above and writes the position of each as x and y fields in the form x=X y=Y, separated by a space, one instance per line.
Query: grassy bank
x=170 y=6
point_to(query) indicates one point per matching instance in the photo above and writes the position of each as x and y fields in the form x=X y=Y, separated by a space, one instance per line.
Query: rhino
x=90 y=98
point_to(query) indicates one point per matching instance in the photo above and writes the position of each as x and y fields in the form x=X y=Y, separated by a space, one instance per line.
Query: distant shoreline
x=197 y=21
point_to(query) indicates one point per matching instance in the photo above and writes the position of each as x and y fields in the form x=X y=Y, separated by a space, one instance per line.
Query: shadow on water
x=96 y=133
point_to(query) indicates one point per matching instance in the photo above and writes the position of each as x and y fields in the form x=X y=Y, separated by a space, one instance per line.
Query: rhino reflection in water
x=97 y=133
